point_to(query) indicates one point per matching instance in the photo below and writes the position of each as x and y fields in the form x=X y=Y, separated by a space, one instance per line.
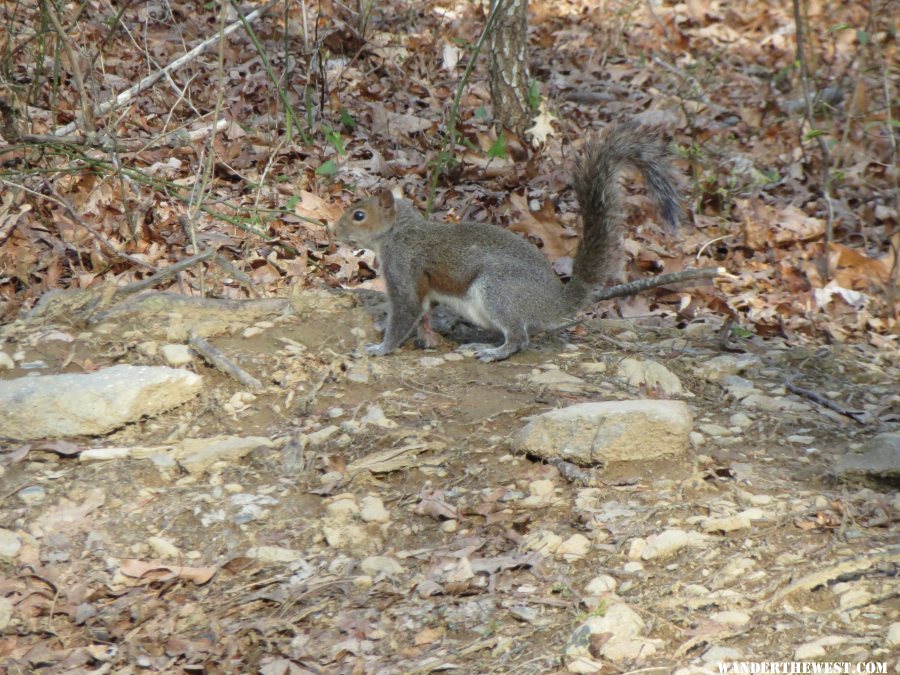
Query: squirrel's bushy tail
x=599 y=198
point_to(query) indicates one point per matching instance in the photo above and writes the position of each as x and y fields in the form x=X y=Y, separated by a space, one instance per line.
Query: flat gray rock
x=880 y=460
x=90 y=404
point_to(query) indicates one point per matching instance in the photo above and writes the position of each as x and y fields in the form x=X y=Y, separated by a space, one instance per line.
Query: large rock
x=50 y=406
x=880 y=460
x=595 y=433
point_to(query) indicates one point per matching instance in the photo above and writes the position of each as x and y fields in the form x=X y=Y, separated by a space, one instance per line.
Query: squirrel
x=493 y=277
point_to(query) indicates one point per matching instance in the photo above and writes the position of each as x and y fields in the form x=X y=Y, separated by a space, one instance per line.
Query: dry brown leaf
x=151 y=571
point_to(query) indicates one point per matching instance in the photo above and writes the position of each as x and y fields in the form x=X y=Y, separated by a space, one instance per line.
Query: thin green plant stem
x=291 y=118
x=448 y=146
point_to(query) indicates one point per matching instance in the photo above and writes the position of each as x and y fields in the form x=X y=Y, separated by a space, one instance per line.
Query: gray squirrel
x=492 y=277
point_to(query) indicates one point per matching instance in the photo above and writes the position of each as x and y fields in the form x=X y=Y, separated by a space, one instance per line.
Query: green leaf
x=863 y=37
x=839 y=27
x=498 y=148
x=347 y=120
x=741 y=332
x=292 y=202
x=334 y=137
x=813 y=133
x=328 y=168
x=481 y=113
x=534 y=95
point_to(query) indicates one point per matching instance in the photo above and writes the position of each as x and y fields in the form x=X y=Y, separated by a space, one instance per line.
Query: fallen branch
x=860 y=416
x=221 y=362
x=635 y=287
x=164 y=273
x=151 y=79
x=832 y=572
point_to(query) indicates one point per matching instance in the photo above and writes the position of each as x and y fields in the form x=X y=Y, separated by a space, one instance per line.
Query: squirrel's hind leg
x=515 y=340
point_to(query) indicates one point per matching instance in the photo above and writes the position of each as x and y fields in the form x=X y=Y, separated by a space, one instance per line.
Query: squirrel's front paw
x=376 y=349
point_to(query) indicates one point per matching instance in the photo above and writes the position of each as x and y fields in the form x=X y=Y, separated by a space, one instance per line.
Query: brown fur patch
x=443 y=283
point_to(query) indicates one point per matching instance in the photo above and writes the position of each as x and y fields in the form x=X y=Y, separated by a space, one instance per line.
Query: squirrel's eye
x=359 y=215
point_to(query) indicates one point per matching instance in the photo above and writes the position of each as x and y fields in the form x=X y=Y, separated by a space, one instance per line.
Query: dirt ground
x=819 y=564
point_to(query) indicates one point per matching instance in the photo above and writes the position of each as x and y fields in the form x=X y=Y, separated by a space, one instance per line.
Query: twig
x=823 y=147
x=860 y=416
x=635 y=287
x=221 y=362
x=164 y=273
x=87 y=114
x=151 y=79
x=445 y=155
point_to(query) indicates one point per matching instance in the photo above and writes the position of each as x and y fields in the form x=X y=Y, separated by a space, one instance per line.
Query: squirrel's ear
x=386 y=199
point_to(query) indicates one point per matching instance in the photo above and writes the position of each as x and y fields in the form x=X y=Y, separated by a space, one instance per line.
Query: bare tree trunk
x=509 y=66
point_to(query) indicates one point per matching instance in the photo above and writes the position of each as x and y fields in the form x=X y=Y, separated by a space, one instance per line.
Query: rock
x=808 y=651
x=719 y=367
x=340 y=534
x=176 y=355
x=726 y=524
x=696 y=439
x=799 y=438
x=540 y=493
x=557 y=379
x=274 y=554
x=719 y=654
x=574 y=548
x=342 y=507
x=633 y=567
x=856 y=597
x=6 y=362
x=665 y=544
x=760 y=500
x=103 y=454
x=774 y=404
x=163 y=548
x=601 y=584
x=632 y=651
x=650 y=374
x=714 y=430
x=592 y=367
x=6 y=610
x=48 y=406
x=879 y=459
x=373 y=511
x=590 y=433
x=358 y=373
x=431 y=361
x=33 y=494
x=733 y=619
x=381 y=565
x=740 y=420
x=543 y=541
x=637 y=548
x=893 y=635
x=10 y=544
x=251 y=331
x=196 y=455
x=375 y=416
x=619 y=620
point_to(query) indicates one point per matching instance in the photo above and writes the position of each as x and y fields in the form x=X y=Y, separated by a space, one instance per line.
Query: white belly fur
x=469 y=306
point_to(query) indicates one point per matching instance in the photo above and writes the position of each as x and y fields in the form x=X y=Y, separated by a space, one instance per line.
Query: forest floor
x=384 y=523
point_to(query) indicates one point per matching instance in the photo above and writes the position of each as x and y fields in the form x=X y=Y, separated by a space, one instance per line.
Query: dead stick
x=635 y=287
x=223 y=363
x=165 y=273
x=857 y=415
x=150 y=80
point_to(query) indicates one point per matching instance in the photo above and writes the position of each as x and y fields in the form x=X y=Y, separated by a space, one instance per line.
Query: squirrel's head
x=366 y=219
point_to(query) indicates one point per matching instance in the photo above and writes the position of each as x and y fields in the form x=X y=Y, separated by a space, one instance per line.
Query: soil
x=76 y=611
